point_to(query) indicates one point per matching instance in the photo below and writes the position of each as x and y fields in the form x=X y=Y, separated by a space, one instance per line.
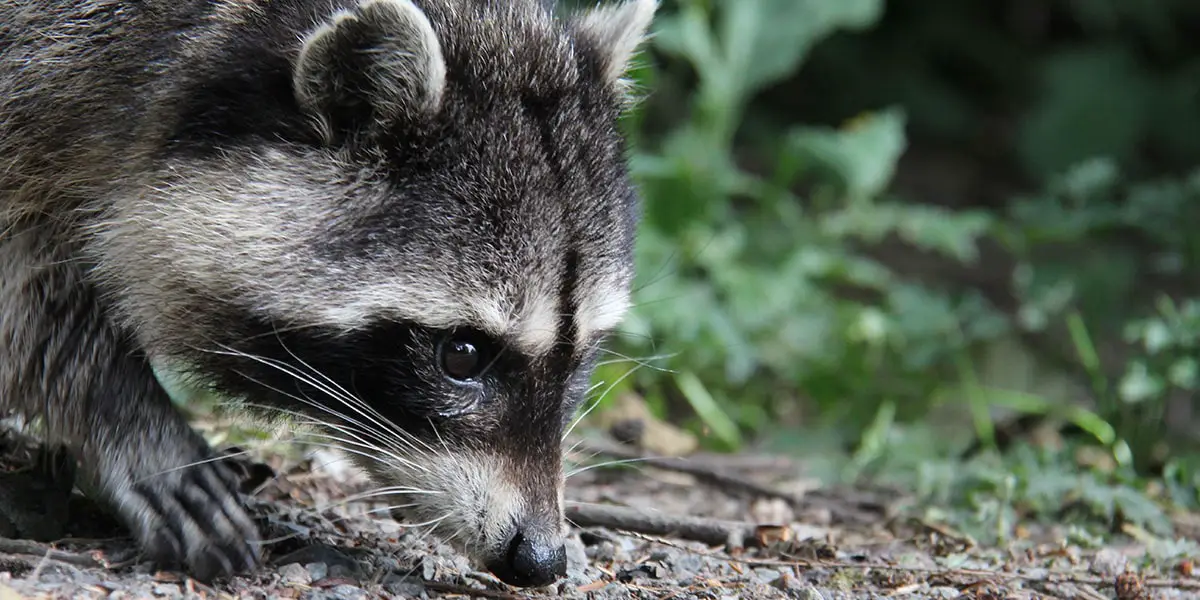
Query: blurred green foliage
x=863 y=216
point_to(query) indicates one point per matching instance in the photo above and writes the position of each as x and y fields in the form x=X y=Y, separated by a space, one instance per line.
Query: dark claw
x=194 y=519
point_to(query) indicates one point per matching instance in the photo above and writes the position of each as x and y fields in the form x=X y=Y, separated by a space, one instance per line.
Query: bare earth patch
x=702 y=527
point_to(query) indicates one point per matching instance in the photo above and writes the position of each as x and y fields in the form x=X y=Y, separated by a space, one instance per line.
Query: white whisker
x=601 y=397
x=358 y=406
x=367 y=410
x=621 y=358
x=381 y=445
x=221 y=457
x=609 y=463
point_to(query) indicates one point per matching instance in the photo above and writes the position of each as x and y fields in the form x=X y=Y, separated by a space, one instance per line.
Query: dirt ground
x=703 y=527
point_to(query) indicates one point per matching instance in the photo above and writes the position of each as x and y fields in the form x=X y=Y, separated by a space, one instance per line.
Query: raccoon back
x=91 y=89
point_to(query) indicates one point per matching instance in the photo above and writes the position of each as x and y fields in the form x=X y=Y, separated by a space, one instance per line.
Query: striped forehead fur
x=186 y=236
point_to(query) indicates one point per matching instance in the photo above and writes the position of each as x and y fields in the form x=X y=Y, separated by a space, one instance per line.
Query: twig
x=29 y=548
x=700 y=471
x=450 y=588
x=732 y=484
x=713 y=532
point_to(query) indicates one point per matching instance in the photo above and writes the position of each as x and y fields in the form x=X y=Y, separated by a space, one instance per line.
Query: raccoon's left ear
x=382 y=58
x=616 y=31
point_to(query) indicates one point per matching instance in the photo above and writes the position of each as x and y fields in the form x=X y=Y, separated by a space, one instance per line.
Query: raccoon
x=409 y=222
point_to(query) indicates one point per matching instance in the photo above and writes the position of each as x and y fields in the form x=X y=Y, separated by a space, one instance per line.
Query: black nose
x=529 y=562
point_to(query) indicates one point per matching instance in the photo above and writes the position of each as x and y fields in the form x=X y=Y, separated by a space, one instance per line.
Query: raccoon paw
x=193 y=518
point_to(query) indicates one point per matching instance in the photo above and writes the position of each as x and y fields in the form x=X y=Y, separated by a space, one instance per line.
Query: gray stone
x=168 y=589
x=1109 y=563
x=788 y=582
x=810 y=593
x=295 y=573
x=347 y=592
x=317 y=571
x=766 y=575
x=687 y=565
x=577 y=560
x=612 y=591
x=343 y=571
x=944 y=593
x=403 y=586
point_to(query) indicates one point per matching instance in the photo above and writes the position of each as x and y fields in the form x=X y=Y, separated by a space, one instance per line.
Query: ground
x=708 y=526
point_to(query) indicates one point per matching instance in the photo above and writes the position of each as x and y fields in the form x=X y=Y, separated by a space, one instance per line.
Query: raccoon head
x=415 y=228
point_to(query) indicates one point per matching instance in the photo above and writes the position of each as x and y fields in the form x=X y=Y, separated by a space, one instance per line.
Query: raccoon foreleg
x=64 y=362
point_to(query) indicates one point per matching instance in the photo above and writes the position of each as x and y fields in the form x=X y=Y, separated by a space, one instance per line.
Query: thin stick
x=29 y=548
x=450 y=588
x=713 y=532
x=732 y=484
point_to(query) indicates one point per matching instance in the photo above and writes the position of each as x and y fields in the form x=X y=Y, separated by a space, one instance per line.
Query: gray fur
x=300 y=203
x=408 y=74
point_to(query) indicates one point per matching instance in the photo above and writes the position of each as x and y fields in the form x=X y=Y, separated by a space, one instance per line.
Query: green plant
x=744 y=277
x=770 y=290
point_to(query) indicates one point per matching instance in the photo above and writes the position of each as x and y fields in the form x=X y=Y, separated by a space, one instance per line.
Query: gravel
x=352 y=553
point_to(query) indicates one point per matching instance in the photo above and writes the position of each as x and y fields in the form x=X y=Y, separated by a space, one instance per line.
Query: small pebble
x=295 y=574
x=342 y=570
x=167 y=589
x=766 y=575
x=429 y=569
x=810 y=593
x=347 y=592
x=317 y=571
x=687 y=565
x=601 y=550
x=404 y=587
x=788 y=582
x=944 y=593
x=1109 y=563
x=757 y=590
x=577 y=561
x=609 y=552
x=612 y=591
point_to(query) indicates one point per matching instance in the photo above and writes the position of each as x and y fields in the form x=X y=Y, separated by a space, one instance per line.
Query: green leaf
x=862 y=156
x=765 y=40
x=952 y=233
x=875 y=439
x=985 y=429
x=707 y=409
x=687 y=34
x=754 y=43
x=1031 y=404
x=1088 y=179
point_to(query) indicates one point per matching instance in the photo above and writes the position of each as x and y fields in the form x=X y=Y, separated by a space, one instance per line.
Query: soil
x=703 y=527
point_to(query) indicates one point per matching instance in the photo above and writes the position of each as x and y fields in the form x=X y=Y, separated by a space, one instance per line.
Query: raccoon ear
x=617 y=31
x=382 y=57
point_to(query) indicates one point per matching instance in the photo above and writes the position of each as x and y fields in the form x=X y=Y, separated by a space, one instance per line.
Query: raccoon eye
x=463 y=356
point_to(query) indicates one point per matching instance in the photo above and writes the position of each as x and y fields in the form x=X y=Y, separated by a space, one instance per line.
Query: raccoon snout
x=530 y=561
